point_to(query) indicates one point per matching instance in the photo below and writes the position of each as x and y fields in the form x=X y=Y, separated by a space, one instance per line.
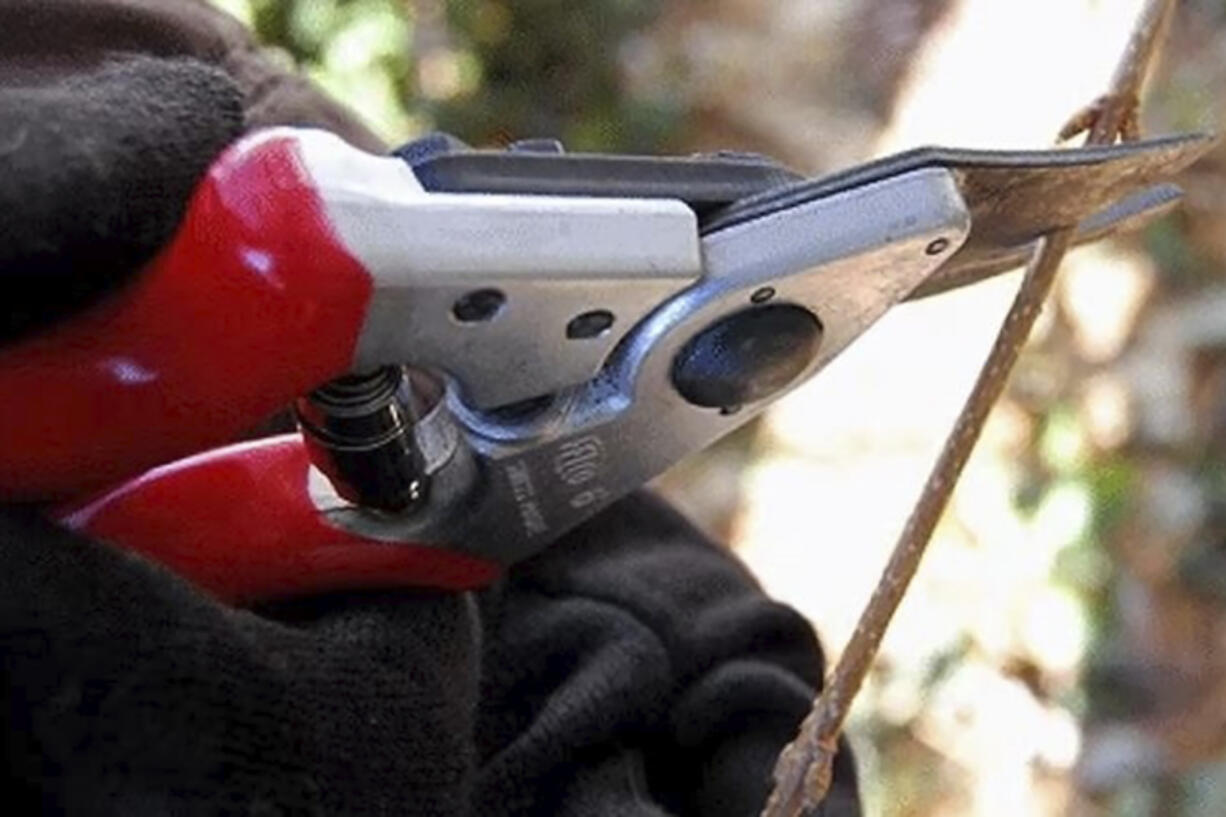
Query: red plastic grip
x=239 y=522
x=254 y=302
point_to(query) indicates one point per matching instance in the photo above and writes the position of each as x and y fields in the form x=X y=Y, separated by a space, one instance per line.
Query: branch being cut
x=803 y=771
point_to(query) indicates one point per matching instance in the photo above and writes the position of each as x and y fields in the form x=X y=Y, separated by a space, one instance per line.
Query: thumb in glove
x=95 y=173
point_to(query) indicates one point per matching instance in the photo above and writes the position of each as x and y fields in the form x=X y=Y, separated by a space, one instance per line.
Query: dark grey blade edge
x=989 y=176
x=966 y=268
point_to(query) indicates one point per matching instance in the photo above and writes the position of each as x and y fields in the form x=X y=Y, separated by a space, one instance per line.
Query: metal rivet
x=478 y=306
x=762 y=295
x=590 y=324
x=938 y=246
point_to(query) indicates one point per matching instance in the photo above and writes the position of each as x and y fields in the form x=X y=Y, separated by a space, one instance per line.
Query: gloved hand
x=97 y=170
x=110 y=112
x=125 y=691
x=632 y=669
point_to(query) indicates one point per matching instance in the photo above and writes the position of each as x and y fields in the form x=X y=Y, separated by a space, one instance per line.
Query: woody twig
x=803 y=772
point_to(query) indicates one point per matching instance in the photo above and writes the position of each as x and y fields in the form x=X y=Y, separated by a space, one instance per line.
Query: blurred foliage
x=488 y=71
x=1107 y=481
x=358 y=50
x=1184 y=267
x=549 y=68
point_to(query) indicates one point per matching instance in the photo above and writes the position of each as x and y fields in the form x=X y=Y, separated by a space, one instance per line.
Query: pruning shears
x=485 y=348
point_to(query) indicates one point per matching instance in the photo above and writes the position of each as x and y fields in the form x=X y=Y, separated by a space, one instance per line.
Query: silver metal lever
x=844 y=259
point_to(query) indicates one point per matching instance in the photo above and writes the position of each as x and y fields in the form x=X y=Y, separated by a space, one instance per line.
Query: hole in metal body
x=478 y=306
x=591 y=324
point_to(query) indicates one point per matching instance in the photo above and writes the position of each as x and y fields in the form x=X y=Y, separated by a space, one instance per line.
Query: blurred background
x=1063 y=650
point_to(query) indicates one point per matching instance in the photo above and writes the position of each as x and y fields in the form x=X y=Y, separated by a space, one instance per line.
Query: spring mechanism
x=359 y=431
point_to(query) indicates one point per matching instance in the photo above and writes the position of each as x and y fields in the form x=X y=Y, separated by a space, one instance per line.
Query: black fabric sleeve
x=97 y=170
x=634 y=669
x=125 y=692
x=637 y=669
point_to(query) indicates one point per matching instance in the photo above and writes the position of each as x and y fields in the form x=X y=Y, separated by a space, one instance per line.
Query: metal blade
x=1013 y=196
x=971 y=266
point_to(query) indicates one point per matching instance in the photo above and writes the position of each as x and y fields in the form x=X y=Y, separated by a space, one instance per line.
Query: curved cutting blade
x=1014 y=197
x=989 y=259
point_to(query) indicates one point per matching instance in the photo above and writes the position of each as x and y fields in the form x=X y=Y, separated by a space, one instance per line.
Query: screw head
x=762 y=295
x=937 y=246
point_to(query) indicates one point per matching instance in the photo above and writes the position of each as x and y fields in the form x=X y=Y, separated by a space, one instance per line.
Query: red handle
x=253 y=303
x=239 y=522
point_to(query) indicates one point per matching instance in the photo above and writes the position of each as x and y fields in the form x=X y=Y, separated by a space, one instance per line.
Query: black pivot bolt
x=747 y=356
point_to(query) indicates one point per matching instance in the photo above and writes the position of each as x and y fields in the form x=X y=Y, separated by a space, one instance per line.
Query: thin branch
x=803 y=771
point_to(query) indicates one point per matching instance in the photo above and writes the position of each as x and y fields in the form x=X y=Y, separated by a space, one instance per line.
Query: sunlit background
x=1063 y=648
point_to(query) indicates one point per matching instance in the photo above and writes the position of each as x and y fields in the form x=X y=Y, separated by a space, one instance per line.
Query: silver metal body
x=603 y=414
x=552 y=257
x=614 y=420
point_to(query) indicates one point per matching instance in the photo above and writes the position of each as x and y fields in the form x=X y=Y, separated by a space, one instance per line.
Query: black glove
x=125 y=691
x=632 y=670
x=96 y=171
x=635 y=668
